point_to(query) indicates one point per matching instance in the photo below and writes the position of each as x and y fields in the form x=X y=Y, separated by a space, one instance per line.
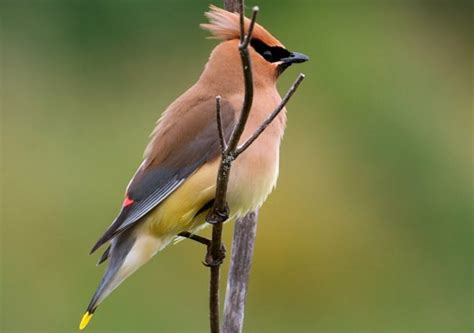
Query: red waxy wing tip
x=127 y=202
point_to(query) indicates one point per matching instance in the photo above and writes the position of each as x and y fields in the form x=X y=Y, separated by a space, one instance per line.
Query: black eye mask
x=270 y=53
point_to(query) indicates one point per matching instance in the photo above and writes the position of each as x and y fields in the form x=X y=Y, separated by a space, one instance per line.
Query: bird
x=174 y=186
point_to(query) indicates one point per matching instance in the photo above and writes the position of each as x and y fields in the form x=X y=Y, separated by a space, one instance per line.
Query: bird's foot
x=218 y=216
x=211 y=261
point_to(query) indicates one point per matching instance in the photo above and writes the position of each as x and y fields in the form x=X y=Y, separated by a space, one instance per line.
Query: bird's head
x=268 y=55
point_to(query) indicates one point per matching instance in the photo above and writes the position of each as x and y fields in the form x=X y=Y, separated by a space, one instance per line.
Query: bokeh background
x=370 y=227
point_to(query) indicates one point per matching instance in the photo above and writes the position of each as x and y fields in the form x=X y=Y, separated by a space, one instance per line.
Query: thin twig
x=248 y=36
x=214 y=278
x=271 y=117
x=196 y=238
x=223 y=144
x=241 y=19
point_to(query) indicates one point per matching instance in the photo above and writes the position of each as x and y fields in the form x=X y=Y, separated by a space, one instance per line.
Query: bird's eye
x=267 y=55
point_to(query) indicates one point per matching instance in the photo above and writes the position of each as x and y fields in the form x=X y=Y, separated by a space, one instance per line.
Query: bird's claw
x=210 y=261
x=218 y=216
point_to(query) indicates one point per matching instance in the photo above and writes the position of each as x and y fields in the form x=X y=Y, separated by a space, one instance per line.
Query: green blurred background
x=370 y=227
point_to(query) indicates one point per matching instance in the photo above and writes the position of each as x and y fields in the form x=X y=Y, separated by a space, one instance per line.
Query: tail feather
x=127 y=252
x=111 y=231
x=117 y=251
x=104 y=256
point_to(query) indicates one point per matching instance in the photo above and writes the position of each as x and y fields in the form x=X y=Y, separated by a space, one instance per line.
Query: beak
x=295 y=58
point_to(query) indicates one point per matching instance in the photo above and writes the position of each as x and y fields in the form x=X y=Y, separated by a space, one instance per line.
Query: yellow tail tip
x=85 y=320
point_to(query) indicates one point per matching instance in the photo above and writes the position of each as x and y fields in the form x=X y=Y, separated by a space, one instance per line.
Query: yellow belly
x=253 y=176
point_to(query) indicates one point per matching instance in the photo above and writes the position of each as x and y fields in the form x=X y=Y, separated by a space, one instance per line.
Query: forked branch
x=219 y=212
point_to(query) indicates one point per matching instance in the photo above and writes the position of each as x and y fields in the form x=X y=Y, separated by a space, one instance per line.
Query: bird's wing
x=183 y=141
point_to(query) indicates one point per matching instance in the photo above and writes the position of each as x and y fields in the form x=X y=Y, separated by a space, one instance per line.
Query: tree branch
x=220 y=211
x=243 y=241
x=245 y=228
x=232 y=6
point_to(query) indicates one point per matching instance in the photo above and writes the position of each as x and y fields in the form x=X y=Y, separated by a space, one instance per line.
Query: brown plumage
x=176 y=181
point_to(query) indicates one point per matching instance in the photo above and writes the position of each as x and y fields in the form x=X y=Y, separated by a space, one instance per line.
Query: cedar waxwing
x=174 y=187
